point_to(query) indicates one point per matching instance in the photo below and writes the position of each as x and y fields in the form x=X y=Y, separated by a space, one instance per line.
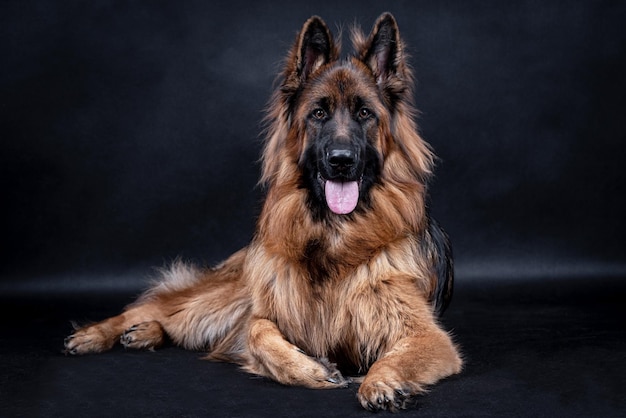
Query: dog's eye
x=319 y=113
x=364 y=113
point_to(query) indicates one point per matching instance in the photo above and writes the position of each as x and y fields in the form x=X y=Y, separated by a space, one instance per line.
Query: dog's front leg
x=412 y=363
x=274 y=357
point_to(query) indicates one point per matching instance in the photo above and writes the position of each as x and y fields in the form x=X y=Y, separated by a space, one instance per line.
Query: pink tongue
x=342 y=197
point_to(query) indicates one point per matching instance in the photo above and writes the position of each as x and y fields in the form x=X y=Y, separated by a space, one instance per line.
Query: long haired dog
x=346 y=271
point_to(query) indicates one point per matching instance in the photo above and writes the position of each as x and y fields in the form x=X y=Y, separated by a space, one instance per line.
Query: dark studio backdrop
x=130 y=133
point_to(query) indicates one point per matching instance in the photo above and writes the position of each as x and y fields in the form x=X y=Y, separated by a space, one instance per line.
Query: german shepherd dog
x=346 y=272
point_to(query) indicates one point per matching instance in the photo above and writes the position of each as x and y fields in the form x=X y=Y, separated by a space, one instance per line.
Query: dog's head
x=340 y=120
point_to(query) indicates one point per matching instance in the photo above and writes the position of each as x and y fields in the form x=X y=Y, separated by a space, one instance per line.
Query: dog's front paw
x=312 y=372
x=386 y=393
x=271 y=355
x=332 y=374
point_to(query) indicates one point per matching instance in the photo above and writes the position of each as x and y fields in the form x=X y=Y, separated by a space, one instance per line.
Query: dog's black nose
x=341 y=158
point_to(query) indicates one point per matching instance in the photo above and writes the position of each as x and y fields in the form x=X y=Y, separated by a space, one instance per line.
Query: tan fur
x=364 y=297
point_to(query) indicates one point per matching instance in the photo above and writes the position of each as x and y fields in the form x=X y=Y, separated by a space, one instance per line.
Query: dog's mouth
x=342 y=196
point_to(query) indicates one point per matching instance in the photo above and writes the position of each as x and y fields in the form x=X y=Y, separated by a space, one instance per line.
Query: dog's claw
x=338 y=380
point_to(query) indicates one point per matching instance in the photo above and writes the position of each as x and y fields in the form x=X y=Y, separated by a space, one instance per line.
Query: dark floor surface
x=533 y=348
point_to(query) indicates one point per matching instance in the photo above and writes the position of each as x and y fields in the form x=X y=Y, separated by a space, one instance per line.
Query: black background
x=131 y=131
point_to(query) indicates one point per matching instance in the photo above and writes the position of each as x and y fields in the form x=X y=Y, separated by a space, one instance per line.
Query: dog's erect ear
x=383 y=53
x=314 y=47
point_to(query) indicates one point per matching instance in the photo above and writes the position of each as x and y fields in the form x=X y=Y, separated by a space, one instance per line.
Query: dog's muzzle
x=340 y=182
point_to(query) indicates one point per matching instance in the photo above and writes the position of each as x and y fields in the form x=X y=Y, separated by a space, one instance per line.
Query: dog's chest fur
x=353 y=317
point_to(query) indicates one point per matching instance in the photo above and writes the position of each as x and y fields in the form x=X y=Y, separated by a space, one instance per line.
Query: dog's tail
x=440 y=253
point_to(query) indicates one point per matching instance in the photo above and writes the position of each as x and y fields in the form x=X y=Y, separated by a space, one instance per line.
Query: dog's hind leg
x=137 y=327
x=196 y=309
